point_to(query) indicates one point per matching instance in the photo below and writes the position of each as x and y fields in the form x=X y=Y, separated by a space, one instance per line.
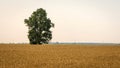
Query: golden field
x=59 y=56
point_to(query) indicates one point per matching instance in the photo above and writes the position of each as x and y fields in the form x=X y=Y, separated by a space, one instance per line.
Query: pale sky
x=75 y=20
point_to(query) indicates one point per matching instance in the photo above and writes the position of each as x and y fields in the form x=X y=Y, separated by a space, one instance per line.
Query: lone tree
x=39 y=27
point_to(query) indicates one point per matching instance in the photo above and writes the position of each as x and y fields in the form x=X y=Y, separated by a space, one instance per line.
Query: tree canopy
x=39 y=27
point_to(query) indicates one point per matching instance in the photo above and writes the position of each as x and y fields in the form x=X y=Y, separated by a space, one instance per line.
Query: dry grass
x=56 y=56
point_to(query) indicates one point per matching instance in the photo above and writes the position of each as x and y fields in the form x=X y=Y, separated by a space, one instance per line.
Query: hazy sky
x=75 y=20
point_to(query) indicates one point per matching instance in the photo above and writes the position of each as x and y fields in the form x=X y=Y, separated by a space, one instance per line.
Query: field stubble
x=59 y=56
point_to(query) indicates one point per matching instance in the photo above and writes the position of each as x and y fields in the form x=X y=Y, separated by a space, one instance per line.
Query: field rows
x=59 y=56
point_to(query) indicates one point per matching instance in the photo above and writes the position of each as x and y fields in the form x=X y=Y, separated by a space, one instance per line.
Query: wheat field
x=59 y=56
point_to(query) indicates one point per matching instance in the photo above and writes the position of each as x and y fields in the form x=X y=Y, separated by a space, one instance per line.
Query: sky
x=75 y=20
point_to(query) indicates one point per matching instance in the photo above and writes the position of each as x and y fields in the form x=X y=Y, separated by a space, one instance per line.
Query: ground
x=59 y=56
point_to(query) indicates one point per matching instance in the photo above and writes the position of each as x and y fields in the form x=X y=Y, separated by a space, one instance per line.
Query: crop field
x=59 y=56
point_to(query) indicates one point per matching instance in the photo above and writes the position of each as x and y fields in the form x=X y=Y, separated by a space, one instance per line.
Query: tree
x=39 y=27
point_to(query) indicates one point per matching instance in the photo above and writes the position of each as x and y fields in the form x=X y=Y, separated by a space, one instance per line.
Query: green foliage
x=39 y=27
